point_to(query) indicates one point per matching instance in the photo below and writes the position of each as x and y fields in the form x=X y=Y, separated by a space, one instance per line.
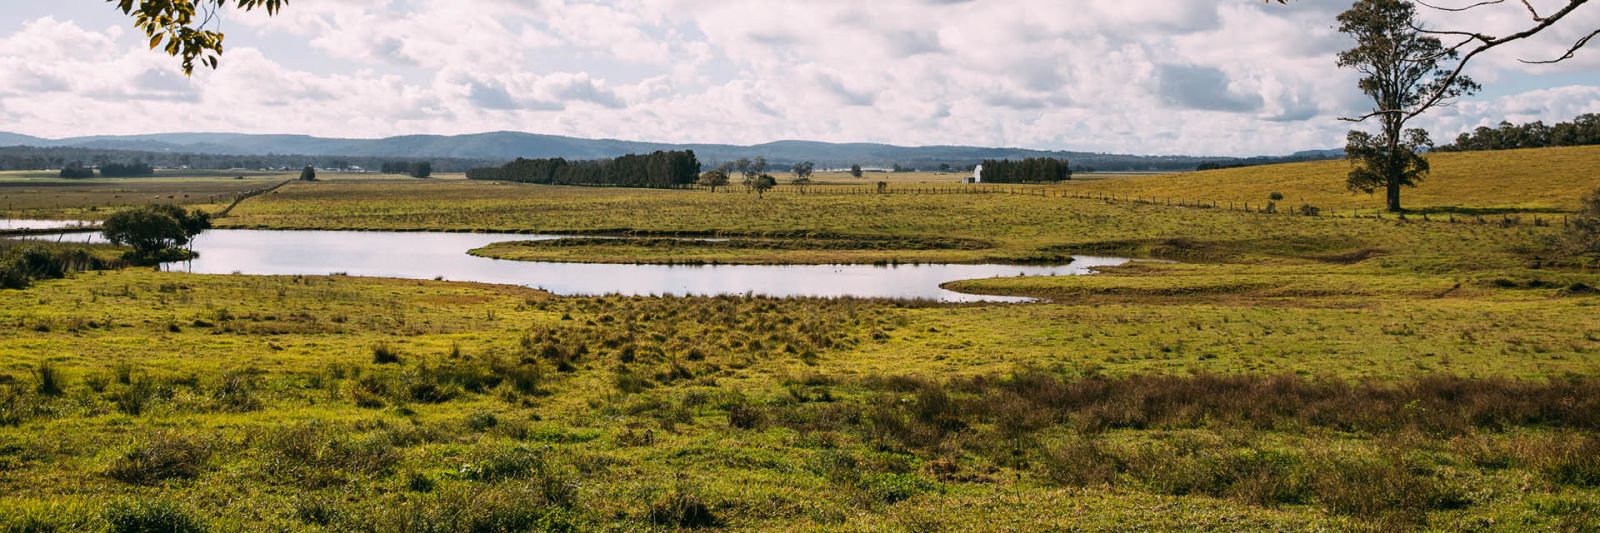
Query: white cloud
x=1156 y=76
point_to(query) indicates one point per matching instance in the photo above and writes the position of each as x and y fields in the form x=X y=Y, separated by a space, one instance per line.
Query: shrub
x=146 y=516
x=1310 y=210
x=683 y=508
x=133 y=399
x=744 y=416
x=236 y=391
x=1079 y=462
x=482 y=421
x=382 y=354
x=1577 y=465
x=1583 y=231
x=317 y=455
x=159 y=457
x=48 y=379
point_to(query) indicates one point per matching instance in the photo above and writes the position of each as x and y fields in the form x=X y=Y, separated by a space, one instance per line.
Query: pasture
x=1287 y=372
x=1540 y=180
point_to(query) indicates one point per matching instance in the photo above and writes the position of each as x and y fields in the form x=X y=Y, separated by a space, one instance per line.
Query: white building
x=977 y=175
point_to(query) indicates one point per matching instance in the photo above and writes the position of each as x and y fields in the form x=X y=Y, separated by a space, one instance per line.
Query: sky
x=1201 y=77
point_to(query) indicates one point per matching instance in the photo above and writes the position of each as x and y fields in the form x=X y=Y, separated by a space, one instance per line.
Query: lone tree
x=762 y=184
x=716 y=177
x=803 y=171
x=421 y=170
x=156 y=233
x=309 y=173
x=855 y=171
x=802 y=174
x=1406 y=73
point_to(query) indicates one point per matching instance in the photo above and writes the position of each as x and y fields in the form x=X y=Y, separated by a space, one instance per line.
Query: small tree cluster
x=802 y=172
x=1030 y=170
x=127 y=170
x=76 y=171
x=156 y=233
x=421 y=169
x=308 y=174
x=717 y=177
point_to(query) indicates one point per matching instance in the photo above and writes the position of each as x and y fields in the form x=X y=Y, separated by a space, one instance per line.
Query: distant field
x=93 y=199
x=1544 y=179
x=1014 y=228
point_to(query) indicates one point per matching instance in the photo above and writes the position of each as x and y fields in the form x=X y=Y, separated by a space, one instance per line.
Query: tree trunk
x=1394 y=196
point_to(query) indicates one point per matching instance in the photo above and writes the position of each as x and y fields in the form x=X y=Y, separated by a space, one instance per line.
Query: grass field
x=266 y=403
x=53 y=198
x=1287 y=373
x=1533 y=180
x=993 y=227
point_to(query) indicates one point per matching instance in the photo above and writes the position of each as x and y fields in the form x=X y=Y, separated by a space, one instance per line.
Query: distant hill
x=504 y=146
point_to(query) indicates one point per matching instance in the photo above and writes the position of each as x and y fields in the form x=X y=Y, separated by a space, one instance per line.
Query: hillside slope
x=1542 y=179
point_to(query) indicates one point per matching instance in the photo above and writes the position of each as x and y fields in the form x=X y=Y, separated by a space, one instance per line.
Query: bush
x=236 y=392
x=1577 y=465
x=48 y=380
x=1310 y=210
x=317 y=455
x=382 y=354
x=1583 y=231
x=161 y=456
x=744 y=416
x=1079 y=462
x=683 y=508
x=146 y=516
x=134 y=398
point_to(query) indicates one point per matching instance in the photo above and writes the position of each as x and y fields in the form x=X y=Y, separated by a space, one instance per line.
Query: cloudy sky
x=1224 y=77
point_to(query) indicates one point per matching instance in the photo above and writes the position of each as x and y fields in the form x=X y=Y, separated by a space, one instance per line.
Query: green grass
x=1288 y=372
x=1468 y=183
x=255 y=402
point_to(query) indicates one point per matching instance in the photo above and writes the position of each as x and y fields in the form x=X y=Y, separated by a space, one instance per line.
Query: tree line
x=659 y=169
x=1030 y=170
x=1582 y=131
x=127 y=170
x=58 y=157
x=420 y=169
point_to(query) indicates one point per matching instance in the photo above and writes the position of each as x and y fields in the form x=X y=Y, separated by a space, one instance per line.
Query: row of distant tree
x=57 y=158
x=1030 y=170
x=136 y=169
x=419 y=169
x=1582 y=131
x=659 y=169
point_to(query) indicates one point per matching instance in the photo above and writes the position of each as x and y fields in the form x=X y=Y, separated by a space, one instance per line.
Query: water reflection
x=443 y=255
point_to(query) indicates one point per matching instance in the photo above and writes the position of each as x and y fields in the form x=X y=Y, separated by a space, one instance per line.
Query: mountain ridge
x=507 y=145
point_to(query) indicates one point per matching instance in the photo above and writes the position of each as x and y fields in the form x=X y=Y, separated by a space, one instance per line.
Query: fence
x=241 y=197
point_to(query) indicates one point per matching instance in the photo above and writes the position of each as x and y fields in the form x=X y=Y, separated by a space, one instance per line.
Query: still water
x=444 y=255
x=16 y=224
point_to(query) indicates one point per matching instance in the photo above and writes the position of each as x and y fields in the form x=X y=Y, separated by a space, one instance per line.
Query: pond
x=418 y=255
